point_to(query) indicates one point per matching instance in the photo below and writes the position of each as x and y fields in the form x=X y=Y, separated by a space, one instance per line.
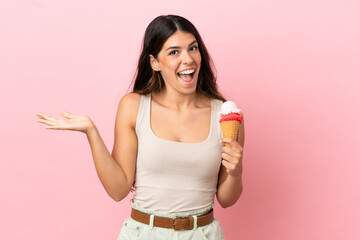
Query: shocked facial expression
x=179 y=62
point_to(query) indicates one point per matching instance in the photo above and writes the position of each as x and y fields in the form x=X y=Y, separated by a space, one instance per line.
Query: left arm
x=230 y=184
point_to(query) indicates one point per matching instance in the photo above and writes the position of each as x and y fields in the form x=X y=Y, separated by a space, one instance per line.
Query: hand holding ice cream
x=230 y=120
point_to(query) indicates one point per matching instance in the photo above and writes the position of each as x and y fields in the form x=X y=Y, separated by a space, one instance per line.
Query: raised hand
x=71 y=122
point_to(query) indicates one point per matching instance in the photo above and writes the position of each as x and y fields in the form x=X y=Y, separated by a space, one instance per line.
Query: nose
x=186 y=58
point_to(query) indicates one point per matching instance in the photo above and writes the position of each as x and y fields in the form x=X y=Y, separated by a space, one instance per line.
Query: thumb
x=66 y=114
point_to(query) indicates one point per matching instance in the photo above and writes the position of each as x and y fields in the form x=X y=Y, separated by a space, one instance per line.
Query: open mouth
x=187 y=76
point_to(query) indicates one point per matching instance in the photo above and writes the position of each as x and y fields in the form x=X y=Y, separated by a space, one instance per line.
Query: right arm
x=116 y=171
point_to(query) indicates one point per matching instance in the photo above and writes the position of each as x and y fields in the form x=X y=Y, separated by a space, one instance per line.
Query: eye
x=173 y=52
x=194 y=48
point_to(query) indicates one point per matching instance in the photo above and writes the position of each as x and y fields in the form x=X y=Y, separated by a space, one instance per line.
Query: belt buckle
x=174 y=226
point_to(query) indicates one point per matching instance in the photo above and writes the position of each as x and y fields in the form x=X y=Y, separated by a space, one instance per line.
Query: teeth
x=187 y=72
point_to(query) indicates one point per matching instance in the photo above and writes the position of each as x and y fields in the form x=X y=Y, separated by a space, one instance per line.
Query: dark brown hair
x=158 y=31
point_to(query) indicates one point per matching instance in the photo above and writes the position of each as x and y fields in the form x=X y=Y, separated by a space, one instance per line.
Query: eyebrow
x=177 y=47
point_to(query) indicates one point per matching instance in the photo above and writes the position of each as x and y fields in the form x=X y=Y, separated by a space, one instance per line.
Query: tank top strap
x=142 y=116
x=217 y=108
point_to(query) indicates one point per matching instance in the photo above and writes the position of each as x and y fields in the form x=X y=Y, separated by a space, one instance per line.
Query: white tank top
x=173 y=176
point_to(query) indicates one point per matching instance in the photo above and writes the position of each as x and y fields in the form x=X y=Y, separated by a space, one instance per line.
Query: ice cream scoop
x=229 y=107
x=230 y=120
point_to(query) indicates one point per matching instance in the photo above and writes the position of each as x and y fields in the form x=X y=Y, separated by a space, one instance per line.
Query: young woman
x=168 y=141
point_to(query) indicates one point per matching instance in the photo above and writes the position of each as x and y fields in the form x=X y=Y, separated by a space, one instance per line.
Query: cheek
x=170 y=66
x=198 y=62
x=169 y=72
x=198 y=59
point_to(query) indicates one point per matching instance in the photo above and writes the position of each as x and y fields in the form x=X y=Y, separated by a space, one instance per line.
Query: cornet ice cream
x=230 y=120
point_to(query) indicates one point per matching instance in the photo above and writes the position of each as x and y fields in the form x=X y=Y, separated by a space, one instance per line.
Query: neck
x=178 y=101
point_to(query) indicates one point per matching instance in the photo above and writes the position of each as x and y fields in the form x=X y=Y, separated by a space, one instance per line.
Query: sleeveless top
x=174 y=176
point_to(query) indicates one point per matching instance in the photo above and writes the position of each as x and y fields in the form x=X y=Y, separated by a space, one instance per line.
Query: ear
x=154 y=63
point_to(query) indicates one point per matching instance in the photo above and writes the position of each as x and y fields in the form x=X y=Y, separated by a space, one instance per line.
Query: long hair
x=159 y=30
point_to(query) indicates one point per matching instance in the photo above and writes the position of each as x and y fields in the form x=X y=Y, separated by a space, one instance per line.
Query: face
x=179 y=62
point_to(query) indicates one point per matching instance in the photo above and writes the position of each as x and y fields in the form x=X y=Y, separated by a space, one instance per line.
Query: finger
x=41 y=115
x=44 y=116
x=47 y=122
x=55 y=127
x=226 y=157
x=58 y=124
x=227 y=165
x=234 y=144
x=66 y=114
x=230 y=159
x=232 y=151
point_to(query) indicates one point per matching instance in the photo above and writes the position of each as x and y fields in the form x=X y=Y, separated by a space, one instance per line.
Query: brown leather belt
x=178 y=223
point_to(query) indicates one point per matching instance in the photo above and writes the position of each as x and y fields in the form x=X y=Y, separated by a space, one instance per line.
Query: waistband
x=195 y=212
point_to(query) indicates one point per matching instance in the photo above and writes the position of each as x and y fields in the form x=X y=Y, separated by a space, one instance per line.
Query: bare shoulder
x=128 y=108
x=131 y=99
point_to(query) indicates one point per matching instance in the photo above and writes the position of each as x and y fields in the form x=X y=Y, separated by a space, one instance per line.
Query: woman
x=167 y=132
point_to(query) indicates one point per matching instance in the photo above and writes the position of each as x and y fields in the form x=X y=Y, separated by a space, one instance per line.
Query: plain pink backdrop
x=291 y=66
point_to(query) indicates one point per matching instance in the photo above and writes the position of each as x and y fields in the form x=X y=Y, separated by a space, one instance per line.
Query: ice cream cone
x=230 y=129
x=230 y=120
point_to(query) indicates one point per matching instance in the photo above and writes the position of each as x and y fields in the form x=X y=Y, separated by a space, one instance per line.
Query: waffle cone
x=230 y=129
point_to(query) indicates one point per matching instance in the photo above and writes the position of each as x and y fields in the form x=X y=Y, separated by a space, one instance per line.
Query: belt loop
x=151 y=224
x=195 y=222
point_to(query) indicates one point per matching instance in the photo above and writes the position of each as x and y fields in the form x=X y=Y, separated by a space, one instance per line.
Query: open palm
x=71 y=122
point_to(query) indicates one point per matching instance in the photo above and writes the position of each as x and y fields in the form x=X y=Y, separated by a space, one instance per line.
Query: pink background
x=293 y=68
